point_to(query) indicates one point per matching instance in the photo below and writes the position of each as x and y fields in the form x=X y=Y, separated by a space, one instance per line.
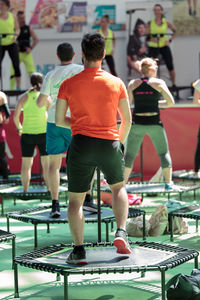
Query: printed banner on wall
x=45 y=14
x=102 y=10
x=72 y=16
x=17 y=5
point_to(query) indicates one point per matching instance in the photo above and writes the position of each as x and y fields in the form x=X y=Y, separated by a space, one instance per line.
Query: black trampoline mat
x=193 y=210
x=45 y=215
x=102 y=257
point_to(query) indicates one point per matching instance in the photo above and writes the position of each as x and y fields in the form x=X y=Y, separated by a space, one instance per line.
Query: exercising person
x=4 y=119
x=9 y=31
x=32 y=130
x=58 y=139
x=145 y=94
x=26 y=41
x=110 y=43
x=94 y=97
x=159 y=43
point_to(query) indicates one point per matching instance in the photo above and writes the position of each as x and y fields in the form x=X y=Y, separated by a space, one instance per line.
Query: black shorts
x=85 y=154
x=30 y=141
x=165 y=53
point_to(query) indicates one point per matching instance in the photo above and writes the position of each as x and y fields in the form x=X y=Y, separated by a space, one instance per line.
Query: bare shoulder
x=157 y=83
x=133 y=84
x=3 y=98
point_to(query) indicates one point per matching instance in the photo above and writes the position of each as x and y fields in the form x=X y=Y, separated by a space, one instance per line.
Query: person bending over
x=94 y=97
x=32 y=130
x=144 y=94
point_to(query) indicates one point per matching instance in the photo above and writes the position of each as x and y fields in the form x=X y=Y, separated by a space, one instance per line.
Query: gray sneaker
x=77 y=256
x=121 y=242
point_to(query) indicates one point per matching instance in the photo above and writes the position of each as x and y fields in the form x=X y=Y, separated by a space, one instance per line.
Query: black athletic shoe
x=77 y=256
x=88 y=204
x=55 y=211
x=121 y=242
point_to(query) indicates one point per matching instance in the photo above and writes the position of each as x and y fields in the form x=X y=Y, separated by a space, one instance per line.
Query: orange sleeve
x=123 y=91
x=62 y=93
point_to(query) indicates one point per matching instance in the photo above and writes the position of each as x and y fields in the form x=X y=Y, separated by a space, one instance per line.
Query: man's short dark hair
x=93 y=45
x=20 y=13
x=65 y=51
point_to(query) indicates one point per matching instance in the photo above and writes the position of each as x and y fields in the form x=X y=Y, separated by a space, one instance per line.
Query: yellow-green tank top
x=158 y=30
x=7 y=26
x=34 y=117
x=108 y=41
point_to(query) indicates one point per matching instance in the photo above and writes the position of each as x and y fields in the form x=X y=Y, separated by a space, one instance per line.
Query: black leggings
x=165 y=53
x=14 y=56
x=111 y=64
x=197 y=154
x=3 y=161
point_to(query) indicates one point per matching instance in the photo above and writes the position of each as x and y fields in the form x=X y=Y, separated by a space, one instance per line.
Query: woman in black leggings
x=9 y=30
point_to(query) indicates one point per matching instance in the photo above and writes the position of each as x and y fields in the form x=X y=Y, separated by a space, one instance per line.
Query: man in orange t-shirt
x=94 y=97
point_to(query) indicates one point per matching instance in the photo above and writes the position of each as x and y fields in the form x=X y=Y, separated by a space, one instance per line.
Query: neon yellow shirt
x=159 y=30
x=34 y=119
x=108 y=41
x=7 y=26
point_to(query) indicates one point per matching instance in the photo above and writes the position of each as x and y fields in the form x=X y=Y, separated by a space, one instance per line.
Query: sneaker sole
x=55 y=215
x=121 y=246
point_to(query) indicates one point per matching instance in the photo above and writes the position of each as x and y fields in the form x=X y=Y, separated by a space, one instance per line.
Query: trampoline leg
x=35 y=236
x=65 y=287
x=8 y=224
x=197 y=223
x=163 y=284
x=107 y=232
x=16 y=294
x=2 y=210
x=48 y=228
x=58 y=277
x=196 y=262
x=13 y=252
x=14 y=201
x=112 y=226
x=144 y=227
x=171 y=225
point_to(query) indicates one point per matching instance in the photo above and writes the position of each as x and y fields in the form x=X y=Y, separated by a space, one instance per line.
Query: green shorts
x=85 y=154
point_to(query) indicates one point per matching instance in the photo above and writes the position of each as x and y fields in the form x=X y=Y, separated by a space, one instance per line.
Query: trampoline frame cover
x=32 y=260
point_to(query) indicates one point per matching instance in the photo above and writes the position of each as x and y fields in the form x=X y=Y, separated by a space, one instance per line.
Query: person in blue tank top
x=145 y=94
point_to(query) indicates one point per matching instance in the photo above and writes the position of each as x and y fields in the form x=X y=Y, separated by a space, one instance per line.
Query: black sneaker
x=77 y=256
x=55 y=211
x=121 y=242
x=88 y=204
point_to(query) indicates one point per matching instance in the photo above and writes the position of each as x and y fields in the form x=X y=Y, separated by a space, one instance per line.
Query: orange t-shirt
x=93 y=96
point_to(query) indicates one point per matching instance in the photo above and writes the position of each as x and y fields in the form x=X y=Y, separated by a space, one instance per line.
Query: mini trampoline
x=6 y=236
x=185 y=175
x=35 y=191
x=41 y=215
x=103 y=259
x=16 y=178
x=152 y=188
x=188 y=212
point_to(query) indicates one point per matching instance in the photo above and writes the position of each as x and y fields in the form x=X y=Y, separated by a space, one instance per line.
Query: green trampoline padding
x=102 y=258
x=185 y=175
